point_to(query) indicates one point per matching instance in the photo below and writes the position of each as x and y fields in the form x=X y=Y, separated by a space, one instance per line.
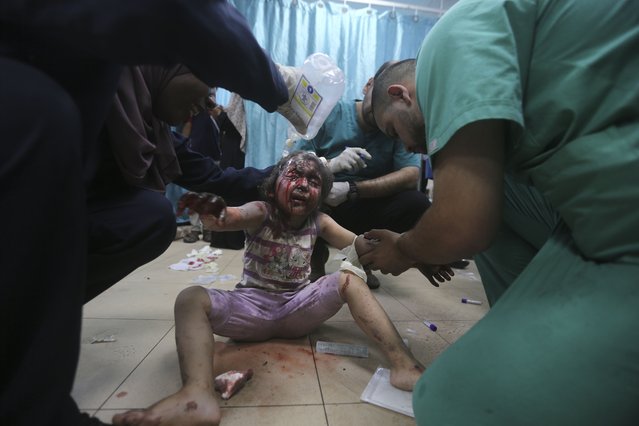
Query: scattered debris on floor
x=204 y=258
x=430 y=325
x=210 y=279
x=104 y=339
x=229 y=383
x=380 y=392
x=346 y=349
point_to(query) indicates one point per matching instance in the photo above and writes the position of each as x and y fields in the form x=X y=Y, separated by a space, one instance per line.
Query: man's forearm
x=392 y=183
x=465 y=214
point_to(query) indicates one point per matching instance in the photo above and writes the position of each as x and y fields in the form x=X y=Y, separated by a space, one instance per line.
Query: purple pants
x=253 y=314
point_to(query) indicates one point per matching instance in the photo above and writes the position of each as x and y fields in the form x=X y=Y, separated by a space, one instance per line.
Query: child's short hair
x=267 y=188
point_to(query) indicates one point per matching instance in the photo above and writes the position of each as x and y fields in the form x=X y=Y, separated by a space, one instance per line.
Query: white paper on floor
x=469 y=275
x=380 y=392
x=104 y=339
x=210 y=279
x=203 y=258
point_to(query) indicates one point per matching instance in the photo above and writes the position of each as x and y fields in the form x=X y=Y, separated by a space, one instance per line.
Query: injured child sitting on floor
x=280 y=235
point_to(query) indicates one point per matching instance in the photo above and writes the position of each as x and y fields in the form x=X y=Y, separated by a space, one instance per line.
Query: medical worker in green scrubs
x=529 y=110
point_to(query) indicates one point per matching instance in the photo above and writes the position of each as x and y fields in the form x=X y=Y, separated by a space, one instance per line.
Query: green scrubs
x=560 y=344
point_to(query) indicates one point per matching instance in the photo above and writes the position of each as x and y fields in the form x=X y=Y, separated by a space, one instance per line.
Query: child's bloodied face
x=298 y=187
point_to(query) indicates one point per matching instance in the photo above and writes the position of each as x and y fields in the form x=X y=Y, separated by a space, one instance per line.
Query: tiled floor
x=292 y=385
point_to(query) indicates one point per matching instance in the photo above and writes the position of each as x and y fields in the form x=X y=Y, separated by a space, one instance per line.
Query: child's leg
x=195 y=402
x=372 y=319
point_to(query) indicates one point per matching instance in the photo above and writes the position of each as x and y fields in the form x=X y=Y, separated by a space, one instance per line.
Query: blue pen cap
x=430 y=325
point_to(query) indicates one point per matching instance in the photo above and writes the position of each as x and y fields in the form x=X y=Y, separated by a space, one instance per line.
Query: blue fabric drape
x=359 y=39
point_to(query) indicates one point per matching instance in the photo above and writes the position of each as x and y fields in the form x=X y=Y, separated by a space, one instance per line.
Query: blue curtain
x=359 y=39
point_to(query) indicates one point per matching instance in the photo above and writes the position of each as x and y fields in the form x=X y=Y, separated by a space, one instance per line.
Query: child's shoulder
x=321 y=216
x=259 y=204
x=323 y=220
x=256 y=210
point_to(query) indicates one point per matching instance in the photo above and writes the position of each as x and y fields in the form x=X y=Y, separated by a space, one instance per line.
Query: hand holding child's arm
x=363 y=245
x=384 y=255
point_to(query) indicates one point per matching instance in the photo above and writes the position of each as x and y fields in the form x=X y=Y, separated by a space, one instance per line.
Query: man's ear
x=399 y=92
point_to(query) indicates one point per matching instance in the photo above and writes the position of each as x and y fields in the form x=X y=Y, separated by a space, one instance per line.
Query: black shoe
x=86 y=420
x=207 y=236
x=460 y=264
x=371 y=280
x=191 y=237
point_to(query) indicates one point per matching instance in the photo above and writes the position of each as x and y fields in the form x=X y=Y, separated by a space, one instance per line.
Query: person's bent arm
x=210 y=37
x=202 y=174
x=389 y=184
x=467 y=197
x=466 y=210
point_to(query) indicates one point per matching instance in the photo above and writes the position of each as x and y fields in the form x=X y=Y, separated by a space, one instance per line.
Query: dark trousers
x=128 y=228
x=43 y=250
x=398 y=213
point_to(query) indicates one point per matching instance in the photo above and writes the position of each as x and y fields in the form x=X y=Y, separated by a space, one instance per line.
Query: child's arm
x=246 y=217
x=340 y=237
x=352 y=247
x=334 y=234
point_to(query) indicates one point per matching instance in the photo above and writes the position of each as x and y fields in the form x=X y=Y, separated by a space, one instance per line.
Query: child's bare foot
x=184 y=408
x=406 y=377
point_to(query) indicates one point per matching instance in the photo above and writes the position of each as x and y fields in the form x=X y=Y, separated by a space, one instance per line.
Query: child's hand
x=363 y=245
x=204 y=204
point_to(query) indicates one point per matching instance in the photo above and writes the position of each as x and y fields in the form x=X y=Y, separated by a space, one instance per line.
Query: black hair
x=383 y=67
x=395 y=72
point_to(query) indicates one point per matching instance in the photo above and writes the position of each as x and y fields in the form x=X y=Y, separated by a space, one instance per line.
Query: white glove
x=338 y=194
x=350 y=160
x=291 y=76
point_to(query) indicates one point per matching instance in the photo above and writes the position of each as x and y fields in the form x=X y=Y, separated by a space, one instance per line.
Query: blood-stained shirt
x=277 y=257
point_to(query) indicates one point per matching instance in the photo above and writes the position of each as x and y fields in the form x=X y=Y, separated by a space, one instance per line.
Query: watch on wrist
x=352 y=191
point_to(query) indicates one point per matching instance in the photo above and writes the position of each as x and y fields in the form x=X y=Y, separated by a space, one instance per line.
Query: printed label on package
x=305 y=100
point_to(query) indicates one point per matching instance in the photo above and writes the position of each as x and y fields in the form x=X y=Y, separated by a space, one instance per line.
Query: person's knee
x=348 y=282
x=192 y=297
x=160 y=216
x=50 y=107
x=168 y=223
x=57 y=115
